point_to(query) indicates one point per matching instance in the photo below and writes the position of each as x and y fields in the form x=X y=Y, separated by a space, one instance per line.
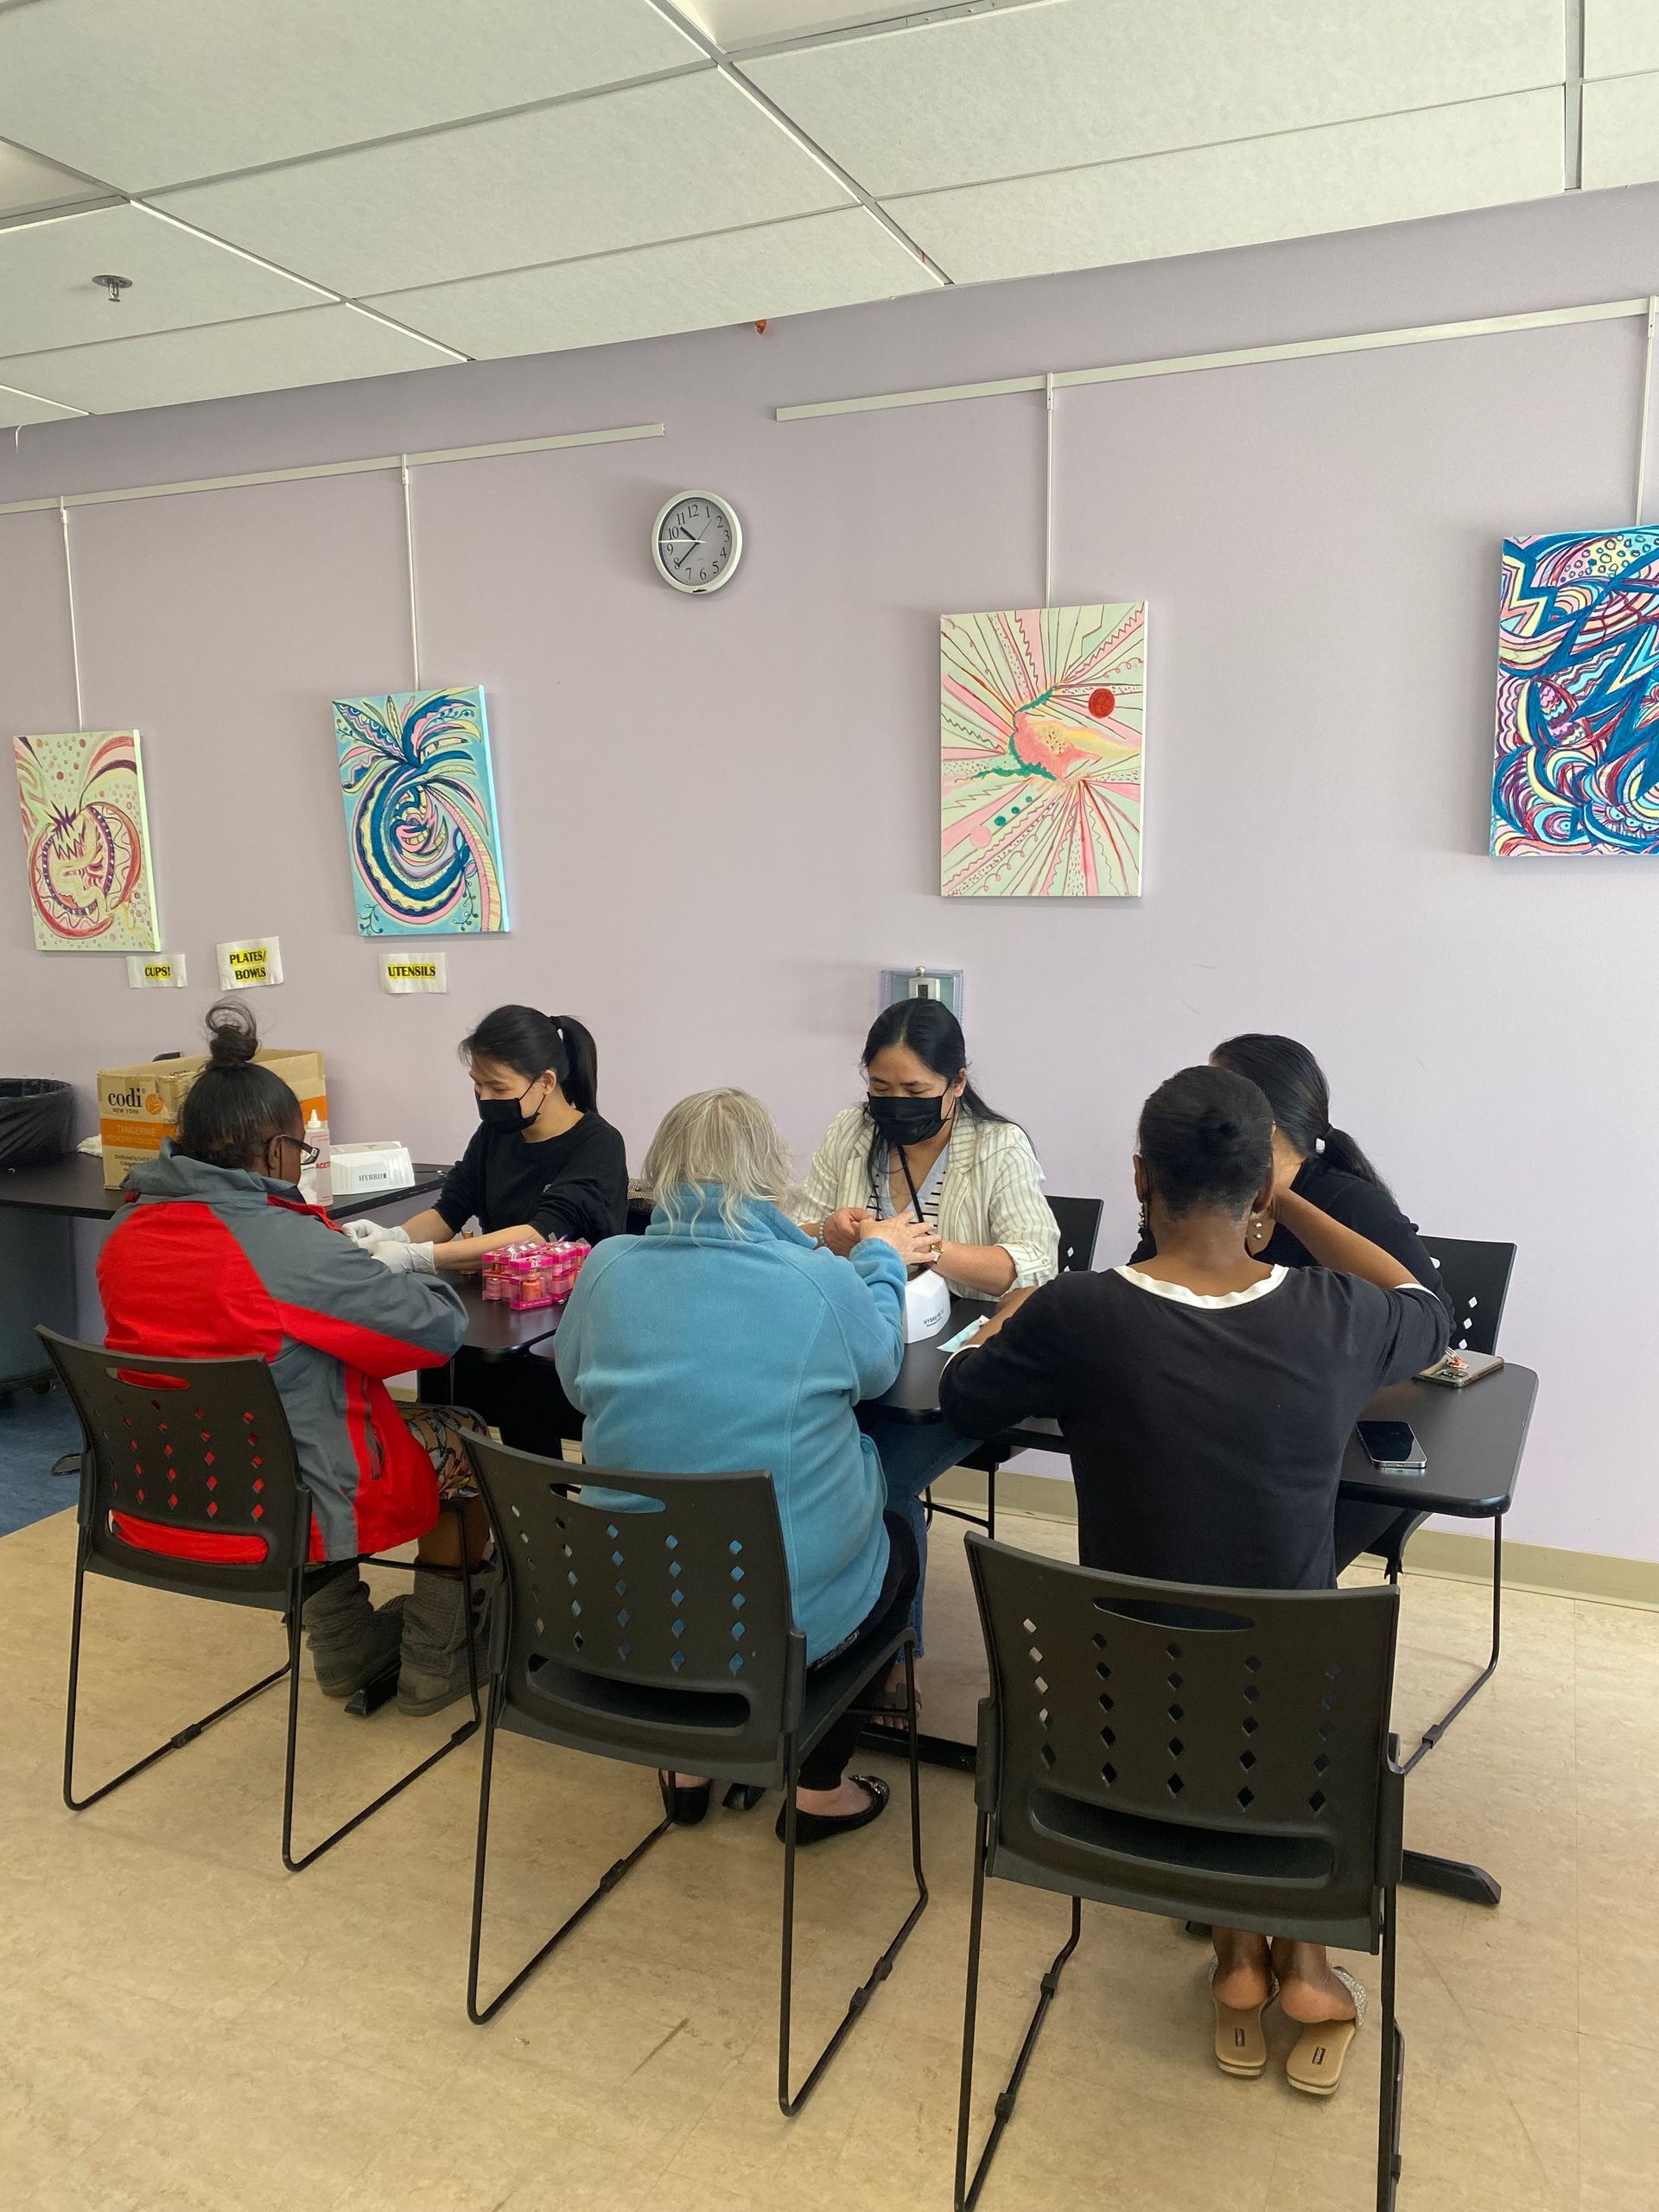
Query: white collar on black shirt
x=1183 y=1296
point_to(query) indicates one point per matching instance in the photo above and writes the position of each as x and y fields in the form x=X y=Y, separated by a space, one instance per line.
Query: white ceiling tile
x=1027 y=91
x=793 y=268
x=150 y=92
x=738 y=22
x=17 y=407
x=27 y=182
x=1620 y=36
x=1621 y=131
x=47 y=297
x=1388 y=169
x=657 y=162
x=272 y=353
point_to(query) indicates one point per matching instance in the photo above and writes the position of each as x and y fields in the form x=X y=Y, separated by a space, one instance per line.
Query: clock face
x=697 y=542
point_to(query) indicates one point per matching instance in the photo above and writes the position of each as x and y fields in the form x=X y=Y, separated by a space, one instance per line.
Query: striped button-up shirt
x=993 y=1190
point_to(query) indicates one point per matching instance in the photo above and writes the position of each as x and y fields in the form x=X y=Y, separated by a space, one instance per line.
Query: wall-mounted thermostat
x=942 y=983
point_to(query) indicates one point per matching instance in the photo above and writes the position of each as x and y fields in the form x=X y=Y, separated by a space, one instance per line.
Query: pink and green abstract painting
x=1041 y=739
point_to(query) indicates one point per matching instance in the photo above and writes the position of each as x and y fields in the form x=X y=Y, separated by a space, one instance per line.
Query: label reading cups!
x=249 y=962
x=156 y=971
x=412 y=971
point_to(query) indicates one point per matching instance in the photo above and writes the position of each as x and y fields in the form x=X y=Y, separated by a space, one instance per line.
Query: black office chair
x=1079 y=1225
x=201 y=1446
x=665 y=1638
x=1475 y=1282
x=1218 y=1755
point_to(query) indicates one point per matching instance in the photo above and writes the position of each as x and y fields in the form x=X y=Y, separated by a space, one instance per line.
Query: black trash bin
x=36 y=1114
x=37 y=1270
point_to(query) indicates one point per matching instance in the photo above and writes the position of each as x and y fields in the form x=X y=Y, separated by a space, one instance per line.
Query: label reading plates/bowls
x=156 y=971
x=412 y=971
x=249 y=962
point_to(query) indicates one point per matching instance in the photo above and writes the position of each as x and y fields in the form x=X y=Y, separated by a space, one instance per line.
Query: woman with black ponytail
x=542 y=1165
x=1321 y=1163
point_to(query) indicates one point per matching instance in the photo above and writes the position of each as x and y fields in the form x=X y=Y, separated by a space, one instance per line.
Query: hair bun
x=232 y=1034
x=1219 y=1128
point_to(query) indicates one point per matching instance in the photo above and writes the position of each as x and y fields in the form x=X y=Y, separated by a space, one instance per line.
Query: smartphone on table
x=1393 y=1446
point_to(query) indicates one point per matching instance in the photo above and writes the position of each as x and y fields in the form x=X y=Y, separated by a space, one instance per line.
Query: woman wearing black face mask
x=926 y=1164
x=543 y=1163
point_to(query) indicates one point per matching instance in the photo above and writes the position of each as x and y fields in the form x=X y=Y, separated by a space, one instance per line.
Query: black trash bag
x=35 y=1115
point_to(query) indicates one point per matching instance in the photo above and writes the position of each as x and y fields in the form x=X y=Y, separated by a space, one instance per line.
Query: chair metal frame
x=281 y=1583
x=765 y=1762
x=996 y=1782
x=1393 y=1555
x=991 y=1458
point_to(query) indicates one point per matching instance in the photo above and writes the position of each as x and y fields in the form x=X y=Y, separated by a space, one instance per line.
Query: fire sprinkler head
x=115 y=286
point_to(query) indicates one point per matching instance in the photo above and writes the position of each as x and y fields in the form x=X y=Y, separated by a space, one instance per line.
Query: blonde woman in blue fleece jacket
x=725 y=1339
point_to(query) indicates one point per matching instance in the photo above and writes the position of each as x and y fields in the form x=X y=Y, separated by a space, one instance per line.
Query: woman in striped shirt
x=926 y=1164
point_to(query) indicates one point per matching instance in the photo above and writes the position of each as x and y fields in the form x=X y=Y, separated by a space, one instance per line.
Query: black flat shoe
x=819 y=1827
x=684 y=1807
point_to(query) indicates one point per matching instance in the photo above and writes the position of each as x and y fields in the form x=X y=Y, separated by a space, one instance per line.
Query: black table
x=1472 y=1440
x=495 y=1331
x=75 y=1187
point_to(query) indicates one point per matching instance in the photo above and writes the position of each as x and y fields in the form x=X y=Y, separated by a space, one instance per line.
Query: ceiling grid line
x=1210 y=145
x=1573 y=96
x=657 y=167
x=735 y=74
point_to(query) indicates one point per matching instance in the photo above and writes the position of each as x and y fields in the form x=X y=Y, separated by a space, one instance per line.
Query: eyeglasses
x=309 y=1153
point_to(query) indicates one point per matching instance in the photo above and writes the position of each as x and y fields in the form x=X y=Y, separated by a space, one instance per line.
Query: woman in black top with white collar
x=1324 y=1166
x=1204 y=1397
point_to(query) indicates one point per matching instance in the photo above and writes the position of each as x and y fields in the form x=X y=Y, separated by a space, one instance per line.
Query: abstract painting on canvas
x=1577 y=768
x=1041 y=733
x=87 y=841
x=420 y=814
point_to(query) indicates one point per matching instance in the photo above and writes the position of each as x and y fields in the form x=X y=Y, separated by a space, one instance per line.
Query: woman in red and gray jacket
x=218 y=1256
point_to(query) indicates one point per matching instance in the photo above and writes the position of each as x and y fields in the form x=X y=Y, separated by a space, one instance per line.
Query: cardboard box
x=138 y=1106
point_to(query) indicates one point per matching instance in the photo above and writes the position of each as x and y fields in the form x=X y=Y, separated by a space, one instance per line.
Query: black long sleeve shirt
x=572 y=1186
x=1206 y=1435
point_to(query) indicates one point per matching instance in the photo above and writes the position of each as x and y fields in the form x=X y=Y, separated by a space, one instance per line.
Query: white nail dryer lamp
x=927 y=1306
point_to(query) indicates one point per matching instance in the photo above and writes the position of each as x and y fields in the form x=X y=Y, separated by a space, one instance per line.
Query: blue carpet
x=34 y=1432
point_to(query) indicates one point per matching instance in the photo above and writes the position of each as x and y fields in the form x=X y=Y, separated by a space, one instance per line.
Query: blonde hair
x=724 y=1138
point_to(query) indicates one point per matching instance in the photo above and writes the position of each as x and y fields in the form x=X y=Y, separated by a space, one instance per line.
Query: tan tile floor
x=185 y=2028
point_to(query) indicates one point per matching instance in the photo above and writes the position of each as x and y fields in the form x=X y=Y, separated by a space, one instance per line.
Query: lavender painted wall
x=720 y=817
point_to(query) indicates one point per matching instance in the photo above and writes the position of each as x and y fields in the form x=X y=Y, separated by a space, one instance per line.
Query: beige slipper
x=1314 y=2066
x=1240 y=2047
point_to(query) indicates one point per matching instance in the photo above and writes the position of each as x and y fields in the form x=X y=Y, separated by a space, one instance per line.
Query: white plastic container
x=316 y=1183
x=370 y=1165
x=927 y=1306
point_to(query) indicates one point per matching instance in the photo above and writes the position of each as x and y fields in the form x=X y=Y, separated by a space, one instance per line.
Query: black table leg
x=1451 y=1878
x=932 y=1751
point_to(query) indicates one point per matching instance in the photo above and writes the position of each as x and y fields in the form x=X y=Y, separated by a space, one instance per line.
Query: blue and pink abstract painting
x=1577 y=766
x=415 y=778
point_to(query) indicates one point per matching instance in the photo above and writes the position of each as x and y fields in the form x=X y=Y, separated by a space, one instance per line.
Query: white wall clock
x=696 y=542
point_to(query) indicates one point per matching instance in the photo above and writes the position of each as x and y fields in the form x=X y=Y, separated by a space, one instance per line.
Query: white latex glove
x=374 y=1232
x=405 y=1258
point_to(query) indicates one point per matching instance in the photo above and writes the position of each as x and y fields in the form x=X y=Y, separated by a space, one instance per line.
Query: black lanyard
x=910 y=1180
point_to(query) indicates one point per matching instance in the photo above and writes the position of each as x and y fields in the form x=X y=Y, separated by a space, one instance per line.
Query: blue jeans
x=914 y=1454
